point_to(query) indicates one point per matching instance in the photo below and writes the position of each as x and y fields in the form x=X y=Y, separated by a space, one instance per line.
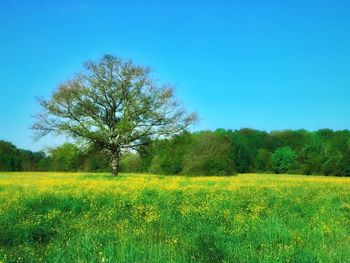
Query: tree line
x=219 y=152
x=67 y=157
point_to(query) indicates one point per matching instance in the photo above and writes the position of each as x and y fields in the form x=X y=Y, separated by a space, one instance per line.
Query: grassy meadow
x=80 y=217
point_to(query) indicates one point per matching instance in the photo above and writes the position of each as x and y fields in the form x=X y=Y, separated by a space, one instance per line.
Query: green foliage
x=284 y=160
x=131 y=163
x=95 y=160
x=210 y=154
x=263 y=161
x=344 y=165
x=242 y=157
x=296 y=140
x=66 y=157
x=245 y=147
x=14 y=159
x=313 y=155
x=331 y=165
x=168 y=156
x=9 y=157
x=113 y=105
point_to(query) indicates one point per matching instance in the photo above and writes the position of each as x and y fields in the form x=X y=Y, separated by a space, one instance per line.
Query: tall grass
x=62 y=217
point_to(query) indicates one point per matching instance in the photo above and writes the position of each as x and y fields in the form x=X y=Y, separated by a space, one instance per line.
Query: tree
x=241 y=154
x=344 y=165
x=210 y=154
x=30 y=160
x=284 y=160
x=263 y=161
x=95 y=160
x=66 y=157
x=169 y=155
x=313 y=155
x=14 y=159
x=331 y=165
x=131 y=163
x=114 y=105
x=9 y=159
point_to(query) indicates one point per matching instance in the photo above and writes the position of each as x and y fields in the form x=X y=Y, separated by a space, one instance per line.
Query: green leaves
x=114 y=104
x=284 y=160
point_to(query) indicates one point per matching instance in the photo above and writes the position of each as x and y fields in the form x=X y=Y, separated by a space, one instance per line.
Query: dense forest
x=220 y=152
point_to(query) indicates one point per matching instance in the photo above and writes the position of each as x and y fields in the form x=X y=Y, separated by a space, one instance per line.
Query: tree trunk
x=115 y=164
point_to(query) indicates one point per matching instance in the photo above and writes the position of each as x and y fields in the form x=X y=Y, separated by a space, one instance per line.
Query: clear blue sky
x=261 y=64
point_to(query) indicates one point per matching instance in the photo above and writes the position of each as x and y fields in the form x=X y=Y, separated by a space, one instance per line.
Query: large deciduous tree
x=114 y=105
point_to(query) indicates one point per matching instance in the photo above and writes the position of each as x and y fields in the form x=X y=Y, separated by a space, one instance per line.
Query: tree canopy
x=114 y=105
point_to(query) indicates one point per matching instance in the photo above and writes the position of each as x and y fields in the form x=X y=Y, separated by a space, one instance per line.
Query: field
x=79 y=217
